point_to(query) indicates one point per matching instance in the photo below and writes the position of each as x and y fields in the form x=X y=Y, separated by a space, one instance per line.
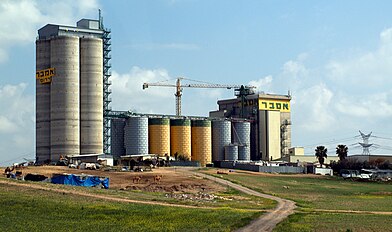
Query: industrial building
x=73 y=117
x=270 y=119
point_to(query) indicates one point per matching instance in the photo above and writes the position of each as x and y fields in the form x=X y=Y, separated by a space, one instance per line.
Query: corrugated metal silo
x=201 y=141
x=241 y=136
x=42 y=104
x=64 y=101
x=117 y=148
x=159 y=136
x=231 y=152
x=221 y=136
x=136 y=136
x=180 y=137
x=91 y=95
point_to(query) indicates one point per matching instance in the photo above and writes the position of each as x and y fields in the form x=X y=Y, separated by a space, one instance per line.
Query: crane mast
x=179 y=87
x=178 y=95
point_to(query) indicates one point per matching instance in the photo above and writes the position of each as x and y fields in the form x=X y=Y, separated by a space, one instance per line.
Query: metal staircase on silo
x=106 y=90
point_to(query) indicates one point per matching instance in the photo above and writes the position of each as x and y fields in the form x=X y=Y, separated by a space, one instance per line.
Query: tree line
x=344 y=163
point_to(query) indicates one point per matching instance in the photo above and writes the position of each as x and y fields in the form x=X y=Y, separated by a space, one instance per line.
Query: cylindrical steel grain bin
x=231 y=152
x=91 y=95
x=159 y=136
x=201 y=141
x=180 y=137
x=221 y=136
x=136 y=136
x=42 y=104
x=64 y=100
x=117 y=148
x=241 y=136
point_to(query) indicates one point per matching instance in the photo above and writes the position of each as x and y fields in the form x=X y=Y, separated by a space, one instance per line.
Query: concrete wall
x=273 y=132
x=257 y=168
x=240 y=166
x=297 y=151
x=309 y=159
x=185 y=163
x=262 y=132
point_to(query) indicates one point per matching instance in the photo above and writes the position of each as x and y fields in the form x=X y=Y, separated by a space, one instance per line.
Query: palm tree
x=341 y=151
x=321 y=154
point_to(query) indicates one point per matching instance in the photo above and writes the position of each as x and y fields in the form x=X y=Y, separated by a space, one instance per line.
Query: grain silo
x=241 y=136
x=159 y=136
x=231 y=152
x=136 y=136
x=201 y=141
x=221 y=136
x=91 y=95
x=64 y=101
x=42 y=104
x=117 y=148
x=180 y=137
x=72 y=102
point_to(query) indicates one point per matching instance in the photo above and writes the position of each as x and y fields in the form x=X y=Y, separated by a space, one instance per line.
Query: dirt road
x=268 y=221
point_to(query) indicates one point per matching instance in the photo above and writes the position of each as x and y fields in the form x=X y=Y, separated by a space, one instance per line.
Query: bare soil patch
x=172 y=180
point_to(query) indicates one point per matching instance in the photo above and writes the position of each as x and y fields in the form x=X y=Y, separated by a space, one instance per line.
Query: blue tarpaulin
x=87 y=181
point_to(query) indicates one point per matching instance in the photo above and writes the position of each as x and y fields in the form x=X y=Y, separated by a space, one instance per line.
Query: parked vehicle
x=91 y=166
x=72 y=166
x=355 y=174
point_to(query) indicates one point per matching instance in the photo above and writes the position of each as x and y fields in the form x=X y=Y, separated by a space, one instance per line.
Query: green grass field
x=25 y=209
x=234 y=198
x=323 y=192
x=304 y=222
x=329 y=193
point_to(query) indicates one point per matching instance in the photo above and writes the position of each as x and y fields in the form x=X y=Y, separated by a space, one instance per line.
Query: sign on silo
x=45 y=76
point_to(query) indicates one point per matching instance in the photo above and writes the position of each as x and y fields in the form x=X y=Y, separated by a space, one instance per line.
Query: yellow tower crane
x=241 y=90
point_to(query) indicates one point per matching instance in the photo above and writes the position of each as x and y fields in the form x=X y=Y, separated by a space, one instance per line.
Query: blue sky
x=334 y=56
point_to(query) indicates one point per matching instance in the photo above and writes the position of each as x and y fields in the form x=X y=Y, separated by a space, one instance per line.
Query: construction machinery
x=241 y=90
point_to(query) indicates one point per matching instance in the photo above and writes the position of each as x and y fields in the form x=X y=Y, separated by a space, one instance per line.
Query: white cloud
x=128 y=93
x=263 y=84
x=16 y=121
x=314 y=106
x=20 y=19
x=294 y=76
x=372 y=106
x=295 y=68
x=365 y=71
x=6 y=126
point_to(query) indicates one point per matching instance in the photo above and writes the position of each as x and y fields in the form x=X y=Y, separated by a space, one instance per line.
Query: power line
x=337 y=141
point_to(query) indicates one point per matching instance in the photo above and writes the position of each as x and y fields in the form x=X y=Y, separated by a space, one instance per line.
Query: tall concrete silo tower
x=91 y=96
x=64 y=97
x=42 y=131
x=72 y=90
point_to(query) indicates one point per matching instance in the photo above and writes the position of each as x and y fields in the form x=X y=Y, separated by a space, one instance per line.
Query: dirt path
x=100 y=196
x=268 y=221
x=351 y=211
